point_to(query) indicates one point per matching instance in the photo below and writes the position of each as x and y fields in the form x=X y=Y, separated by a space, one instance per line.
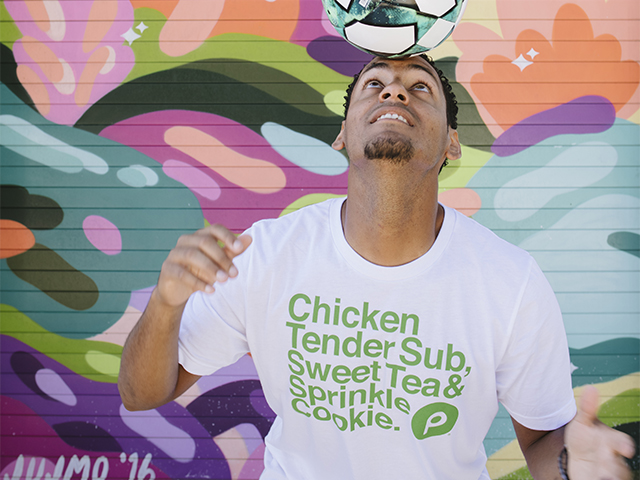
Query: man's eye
x=373 y=84
x=422 y=87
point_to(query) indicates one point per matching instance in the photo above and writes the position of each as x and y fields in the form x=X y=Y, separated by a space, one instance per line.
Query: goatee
x=394 y=150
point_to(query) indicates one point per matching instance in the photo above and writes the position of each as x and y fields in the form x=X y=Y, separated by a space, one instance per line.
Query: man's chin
x=395 y=150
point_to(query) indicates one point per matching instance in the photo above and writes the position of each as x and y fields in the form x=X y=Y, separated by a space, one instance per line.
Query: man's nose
x=394 y=91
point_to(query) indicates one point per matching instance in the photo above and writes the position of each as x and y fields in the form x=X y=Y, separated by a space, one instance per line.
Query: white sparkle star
x=573 y=368
x=141 y=27
x=532 y=53
x=130 y=36
x=522 y=62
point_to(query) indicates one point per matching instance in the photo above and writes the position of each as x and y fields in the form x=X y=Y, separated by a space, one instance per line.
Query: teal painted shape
x=605 y=361
x=307 y=152
x=150 y=217
x=561 y=200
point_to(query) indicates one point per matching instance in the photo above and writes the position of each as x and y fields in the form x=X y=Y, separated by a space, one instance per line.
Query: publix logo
x=433 y=420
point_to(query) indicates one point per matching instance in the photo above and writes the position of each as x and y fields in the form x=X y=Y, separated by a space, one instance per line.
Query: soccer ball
x=395 y=28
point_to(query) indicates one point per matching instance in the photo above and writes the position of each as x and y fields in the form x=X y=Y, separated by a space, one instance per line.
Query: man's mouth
x=392 y=116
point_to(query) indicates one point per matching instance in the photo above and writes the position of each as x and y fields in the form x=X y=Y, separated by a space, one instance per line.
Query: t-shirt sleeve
x=212 y=332
x=534 y=375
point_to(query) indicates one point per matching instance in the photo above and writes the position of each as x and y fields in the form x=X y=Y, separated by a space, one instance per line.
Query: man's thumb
x=589 y=402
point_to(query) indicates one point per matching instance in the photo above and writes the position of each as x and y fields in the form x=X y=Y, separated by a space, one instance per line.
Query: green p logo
x=433 y=420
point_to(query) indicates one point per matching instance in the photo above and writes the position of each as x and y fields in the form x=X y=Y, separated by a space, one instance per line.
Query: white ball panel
x=384 y=40
x=437 y=8
x=436 y=34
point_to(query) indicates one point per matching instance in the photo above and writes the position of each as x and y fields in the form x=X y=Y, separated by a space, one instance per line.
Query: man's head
x=399 y=111
x=450 y=97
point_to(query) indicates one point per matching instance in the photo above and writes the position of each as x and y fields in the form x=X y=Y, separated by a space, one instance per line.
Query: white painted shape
x=521 y=62
x=57 y=22
x=67 y=85
x=150 y=175
x=110 y=62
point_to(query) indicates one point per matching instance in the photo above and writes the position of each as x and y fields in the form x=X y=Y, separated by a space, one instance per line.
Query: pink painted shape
x=102 y=234
x=237 y=208
x=189 y=25
x=195 y=179
x=254 y=465
x=465 y=200
x=61 y=107
x=256 y=175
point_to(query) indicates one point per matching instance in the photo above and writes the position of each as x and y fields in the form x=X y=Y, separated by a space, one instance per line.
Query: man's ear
x=338 y=143
x=454 y=150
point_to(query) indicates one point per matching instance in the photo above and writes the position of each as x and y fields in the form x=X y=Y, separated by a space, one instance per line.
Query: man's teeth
x=393 y=116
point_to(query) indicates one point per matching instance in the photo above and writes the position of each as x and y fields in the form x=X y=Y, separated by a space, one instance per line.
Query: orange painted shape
x=46 y=59
x=465 y=200
x=189 y=25
x=272 y=19
x=91 y=70
x=39 y=13
x=101 y=17
x=573 y=64
x=36 y=89
x=165 y=7
x=15 y=238
x=256 y=175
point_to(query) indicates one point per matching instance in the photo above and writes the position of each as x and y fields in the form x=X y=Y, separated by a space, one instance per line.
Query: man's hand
x=595 y=450
x=197 y=262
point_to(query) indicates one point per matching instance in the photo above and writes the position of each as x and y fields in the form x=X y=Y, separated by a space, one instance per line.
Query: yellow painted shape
x=256 y=175
x=635 y=118
x=334 y=100
x=483 y=12
x=72 y=353
x=472 y=160
x=509 y=458
x=103 y=362
x=310 y=199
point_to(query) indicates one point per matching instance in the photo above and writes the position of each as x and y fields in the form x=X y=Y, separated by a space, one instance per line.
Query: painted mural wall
x=127 y=123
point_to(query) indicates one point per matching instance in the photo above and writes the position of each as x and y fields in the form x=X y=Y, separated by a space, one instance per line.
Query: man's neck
x=392 y=220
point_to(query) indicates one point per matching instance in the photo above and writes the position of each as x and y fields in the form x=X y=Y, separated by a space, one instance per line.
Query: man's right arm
x=150 y=375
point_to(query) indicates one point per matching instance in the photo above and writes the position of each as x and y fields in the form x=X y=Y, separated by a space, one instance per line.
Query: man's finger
x=589 y=402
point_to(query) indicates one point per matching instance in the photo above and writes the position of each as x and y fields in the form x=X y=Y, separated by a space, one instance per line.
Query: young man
x=385 y=328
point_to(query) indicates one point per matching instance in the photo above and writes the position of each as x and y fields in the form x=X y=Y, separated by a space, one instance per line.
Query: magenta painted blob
x=102 y=234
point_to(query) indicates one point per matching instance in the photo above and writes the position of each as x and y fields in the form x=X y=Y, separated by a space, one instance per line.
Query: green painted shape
x=9 y=76
x=287 y=57
x=210 y=91
x=273 y=82
x=9 y=31
x=520 y=474
x=103 y=362
x=70 y=353
x=307 y=200
x=49 y=272
x=472 y=130
x=36 y=212
x=626 y=241
x=621 y=409
x=459 y=172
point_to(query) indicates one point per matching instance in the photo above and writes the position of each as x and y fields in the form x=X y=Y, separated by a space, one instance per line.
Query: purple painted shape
x=236 y=208
x=102 y=234
x=21 y=424
x=140 y=298
x=588 y=114
x=99 y=404
x=312 y=23
x=193 y=178
x=338 y=54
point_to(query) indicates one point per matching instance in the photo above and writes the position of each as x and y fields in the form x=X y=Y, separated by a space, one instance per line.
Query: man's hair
x=450 y=97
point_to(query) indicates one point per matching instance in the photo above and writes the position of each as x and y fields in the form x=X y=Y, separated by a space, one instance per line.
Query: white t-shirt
x=385 y=372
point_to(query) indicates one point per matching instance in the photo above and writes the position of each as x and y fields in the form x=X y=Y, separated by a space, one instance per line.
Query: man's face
x=398 y=113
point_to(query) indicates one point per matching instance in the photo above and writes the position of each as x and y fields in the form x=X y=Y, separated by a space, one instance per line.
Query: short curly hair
x=450 y=97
